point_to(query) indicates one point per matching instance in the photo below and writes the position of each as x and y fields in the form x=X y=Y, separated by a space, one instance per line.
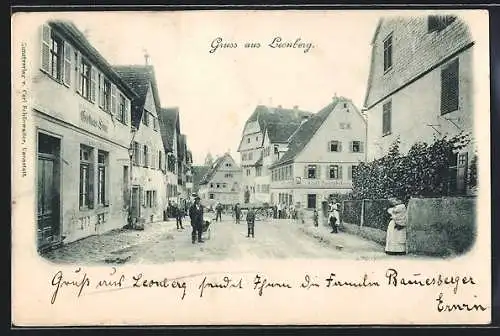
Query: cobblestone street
x=161 y=242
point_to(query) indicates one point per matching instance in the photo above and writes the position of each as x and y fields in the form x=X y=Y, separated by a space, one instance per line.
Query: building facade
x=321 y=156
x=267 y=130
x=170 y=131
x=221 y=183
x=420 y=84
x=148 y=198
x=81 y=110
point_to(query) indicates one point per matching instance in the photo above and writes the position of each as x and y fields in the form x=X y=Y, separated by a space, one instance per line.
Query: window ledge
x=388 y=70
x=386 y=134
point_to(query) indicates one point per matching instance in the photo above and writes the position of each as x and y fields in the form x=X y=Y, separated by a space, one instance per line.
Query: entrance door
x=311 y=201
x=48 y=191
x=135 y=210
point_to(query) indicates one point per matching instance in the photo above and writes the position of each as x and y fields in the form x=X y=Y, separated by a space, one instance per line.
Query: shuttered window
x=68 y=54
x=439 y=22
x=449 y=87
x=45 y=33
x=388 y=53
x=386 y=118
x=114 y=109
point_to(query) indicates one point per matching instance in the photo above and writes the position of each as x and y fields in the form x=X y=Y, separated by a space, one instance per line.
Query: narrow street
x=161 y=242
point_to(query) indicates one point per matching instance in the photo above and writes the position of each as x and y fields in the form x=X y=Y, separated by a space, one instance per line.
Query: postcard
x=239 y=167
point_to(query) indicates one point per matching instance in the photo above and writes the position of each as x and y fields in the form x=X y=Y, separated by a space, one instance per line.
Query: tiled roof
x=167 y=118
x=278 y=117
x=212 y=170
x=306 y=131
x=139 y=77
x=79 y=41
x=198 y=173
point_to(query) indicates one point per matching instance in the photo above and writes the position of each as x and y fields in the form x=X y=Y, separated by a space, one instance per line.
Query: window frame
x=85 y=194
x=85 y=78
x=388 y=52
x=102 y=170
x=313 y=168
x=452 y=79
x=387 y=109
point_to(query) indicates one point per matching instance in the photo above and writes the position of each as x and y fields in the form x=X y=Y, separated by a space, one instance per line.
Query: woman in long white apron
x=395 y=243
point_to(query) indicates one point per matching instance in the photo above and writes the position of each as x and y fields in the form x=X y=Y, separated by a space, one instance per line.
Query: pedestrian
x=332 y=220
x=280 y=210
x=251 y=222
x=179 y=213
x=237 y=213
x=218 y=211
x=196 y=216
x=315 y=218
x=395 y=242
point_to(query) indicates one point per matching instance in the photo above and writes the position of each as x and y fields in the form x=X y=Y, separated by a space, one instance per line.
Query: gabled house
x=221 y=183
x=321 y=156
x=81 y=114
x=170 y=131
x=149 y=164
x=420 y=85
x=264 y=139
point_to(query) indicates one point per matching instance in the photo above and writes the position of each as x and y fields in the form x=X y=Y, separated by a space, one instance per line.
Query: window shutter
x=350 y=146
x=361 y=147
x=101 y=90
x=340 y=172
x=340 y=146
x=142 y=196
x=318 y=171
x=349 y=172
x=93 y=84
x=305 y=171
x=114 y=110
x=67 y=63
x=91 y=187
x=78 y=77
x=45 y=51
x=328 y=146
x=127 y=113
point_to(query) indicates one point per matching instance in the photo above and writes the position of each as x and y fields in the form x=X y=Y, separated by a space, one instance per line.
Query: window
x=122 y=109
x=462 y=159
x=351 y=172
x=106 y=94
x=345 y=125
x=56 y=52
x=334 y=172
x=335 y=146
x=86 y=198
x=257 y=138
x=449 y=87
x=155 y=123
x=146 y=156
x=218 y=185
x=258 y=171
x=224 y=185
x=250 y=156
x=211 y=196
x=145 y=118
x=439 y=22
x=388 y=53
x=137 y=153
x=85 y=79
x=386 y=118
x=244 y=156
x=356 y=147
x=248 y=172
x=211 y=185
x=248 y=140
x=311 y=171
x=276 y=149
x=102 y=159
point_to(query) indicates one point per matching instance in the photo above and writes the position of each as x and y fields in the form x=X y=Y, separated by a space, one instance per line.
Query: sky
x=216 y=92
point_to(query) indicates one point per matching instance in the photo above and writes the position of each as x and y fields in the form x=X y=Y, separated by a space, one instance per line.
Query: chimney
x=146 y=57
x=334 y=96
x=279 y=106
x=296 y=107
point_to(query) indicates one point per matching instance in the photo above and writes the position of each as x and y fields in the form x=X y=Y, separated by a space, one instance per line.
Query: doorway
x=311 y=201
x=135 y=207
x=48 y=191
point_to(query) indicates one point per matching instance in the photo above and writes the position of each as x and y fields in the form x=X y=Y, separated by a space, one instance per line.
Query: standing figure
x=196 y=215
x=237 y=213
x=332 y=220
x=280 y=210
x=315 y=218
x=395 y=243
x=251 y=222
x=218 y=211
x=179 y=213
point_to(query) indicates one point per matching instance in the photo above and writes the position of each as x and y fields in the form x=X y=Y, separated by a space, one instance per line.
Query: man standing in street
x=196 y=215
x=251 y=223
x=218 y=211
x=179 y=213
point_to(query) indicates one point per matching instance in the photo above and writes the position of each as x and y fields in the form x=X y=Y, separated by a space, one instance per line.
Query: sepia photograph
x=281 y=138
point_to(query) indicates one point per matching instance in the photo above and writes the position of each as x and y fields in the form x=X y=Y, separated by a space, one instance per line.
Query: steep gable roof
x=282 y=121
x=215 y=166
x=198 y=173
x=167 y=119
x=139 y=77
x=306 y=131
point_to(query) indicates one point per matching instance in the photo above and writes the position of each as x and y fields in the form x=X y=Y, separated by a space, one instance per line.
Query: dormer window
x=439 y=22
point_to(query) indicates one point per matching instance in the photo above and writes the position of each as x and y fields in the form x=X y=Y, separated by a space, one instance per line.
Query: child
x=251 y=223
x=396 y=230
x=315 y=217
